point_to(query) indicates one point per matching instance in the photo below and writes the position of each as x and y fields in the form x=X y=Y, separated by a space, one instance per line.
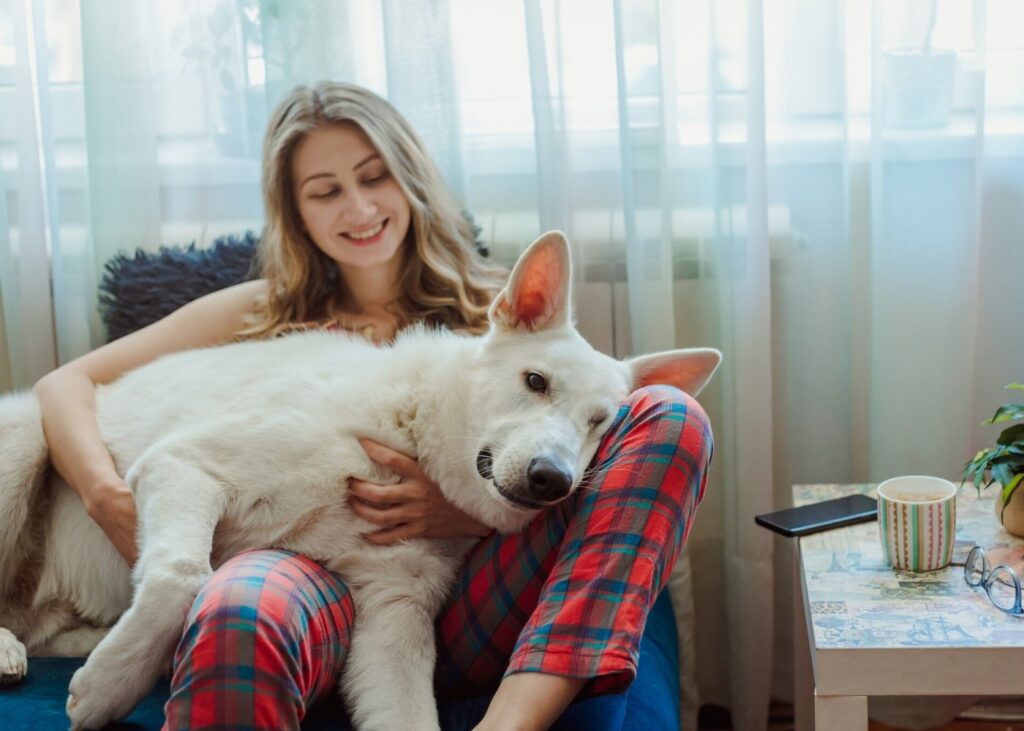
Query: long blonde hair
x=443 y=280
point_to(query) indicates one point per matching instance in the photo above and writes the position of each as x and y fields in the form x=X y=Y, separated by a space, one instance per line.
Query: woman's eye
x=376 y=179
x=324 y=194
x=536 y=382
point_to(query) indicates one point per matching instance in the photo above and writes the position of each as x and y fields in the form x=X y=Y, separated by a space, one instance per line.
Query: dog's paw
x=93 y=699
x=13 y=660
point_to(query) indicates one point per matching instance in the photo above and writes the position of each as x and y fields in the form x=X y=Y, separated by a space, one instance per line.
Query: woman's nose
x=359 y=207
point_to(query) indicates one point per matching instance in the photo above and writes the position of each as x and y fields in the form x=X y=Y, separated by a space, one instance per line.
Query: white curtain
x=831 y=192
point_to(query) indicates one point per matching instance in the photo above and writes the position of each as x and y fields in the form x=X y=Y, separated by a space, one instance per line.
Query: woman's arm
x=529 y=702
x=68 y=403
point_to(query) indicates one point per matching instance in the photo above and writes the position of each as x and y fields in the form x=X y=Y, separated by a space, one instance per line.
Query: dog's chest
x=316 y=525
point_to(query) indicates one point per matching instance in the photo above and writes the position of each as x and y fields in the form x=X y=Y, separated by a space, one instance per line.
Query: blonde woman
x=362 y=234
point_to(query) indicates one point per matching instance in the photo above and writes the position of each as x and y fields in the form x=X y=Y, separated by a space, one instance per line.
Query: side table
x=863 y=628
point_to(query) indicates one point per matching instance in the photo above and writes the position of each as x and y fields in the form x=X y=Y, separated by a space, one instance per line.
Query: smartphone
x=821 y=516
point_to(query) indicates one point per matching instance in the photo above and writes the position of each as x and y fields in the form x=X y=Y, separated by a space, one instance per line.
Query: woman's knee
x=271 y=581
x=661 y=437
x=289 y=593
x=281 y=613
x=659 y=400
x=669 y=416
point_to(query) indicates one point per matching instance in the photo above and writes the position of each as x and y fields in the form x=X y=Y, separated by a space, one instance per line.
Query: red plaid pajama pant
x=568 y=595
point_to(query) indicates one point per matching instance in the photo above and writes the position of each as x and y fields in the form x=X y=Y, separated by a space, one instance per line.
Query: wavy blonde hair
x=444 y=280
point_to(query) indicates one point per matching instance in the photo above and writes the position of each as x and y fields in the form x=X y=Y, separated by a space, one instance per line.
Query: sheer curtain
x=830 y=192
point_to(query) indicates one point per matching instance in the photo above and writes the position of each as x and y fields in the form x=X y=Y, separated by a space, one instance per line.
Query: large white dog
x=252 y=445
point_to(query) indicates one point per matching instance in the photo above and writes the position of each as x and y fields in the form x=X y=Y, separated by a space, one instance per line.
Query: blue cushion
x=650 y=704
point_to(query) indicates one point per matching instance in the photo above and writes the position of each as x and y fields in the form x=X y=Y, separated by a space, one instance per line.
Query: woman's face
x=350 y=205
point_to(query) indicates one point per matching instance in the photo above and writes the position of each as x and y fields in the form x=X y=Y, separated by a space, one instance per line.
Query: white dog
x=252 y=445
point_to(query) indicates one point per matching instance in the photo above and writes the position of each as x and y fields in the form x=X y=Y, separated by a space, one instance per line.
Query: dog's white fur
x=251 y=445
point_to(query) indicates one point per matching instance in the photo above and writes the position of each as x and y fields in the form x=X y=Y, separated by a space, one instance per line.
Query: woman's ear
x=538 y=294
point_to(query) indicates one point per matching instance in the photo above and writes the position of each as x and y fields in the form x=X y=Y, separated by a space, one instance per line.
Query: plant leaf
x=1013 y=462
x=1002 y=473
x=1011 y=435
x=984 y=459
x=1007 y=412
x=1011 y=486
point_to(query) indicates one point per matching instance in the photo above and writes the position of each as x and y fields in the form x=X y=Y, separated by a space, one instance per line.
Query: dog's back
x=271 y=400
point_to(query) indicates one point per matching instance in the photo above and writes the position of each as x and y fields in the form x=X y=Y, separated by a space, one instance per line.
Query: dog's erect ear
x=537 y=296
x=688 y=370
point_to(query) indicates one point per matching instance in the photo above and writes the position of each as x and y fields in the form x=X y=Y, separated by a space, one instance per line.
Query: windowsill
x=197 y=162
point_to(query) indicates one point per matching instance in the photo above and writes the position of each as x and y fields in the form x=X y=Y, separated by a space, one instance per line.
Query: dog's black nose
x=548 y=479
x=485 y=463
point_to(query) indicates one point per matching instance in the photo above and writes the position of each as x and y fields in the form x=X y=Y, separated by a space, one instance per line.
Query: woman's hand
x=412 y=508
x=113 y=509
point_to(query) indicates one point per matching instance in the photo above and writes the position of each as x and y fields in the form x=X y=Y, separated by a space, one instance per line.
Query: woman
x=361 y=234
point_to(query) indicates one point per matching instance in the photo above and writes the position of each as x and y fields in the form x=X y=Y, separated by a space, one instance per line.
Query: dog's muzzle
x=485 y=463
x=548 y=480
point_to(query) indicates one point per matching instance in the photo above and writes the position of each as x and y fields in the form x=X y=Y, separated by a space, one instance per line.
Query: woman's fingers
x=380 y=495
x=412 y=508
x=380 y=514
x=395 y=461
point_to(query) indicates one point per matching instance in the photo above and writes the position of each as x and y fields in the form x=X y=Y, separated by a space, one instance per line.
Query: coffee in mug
x=917 y=522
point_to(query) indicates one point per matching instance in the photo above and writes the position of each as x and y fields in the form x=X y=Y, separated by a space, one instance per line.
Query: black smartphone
x=821 y=516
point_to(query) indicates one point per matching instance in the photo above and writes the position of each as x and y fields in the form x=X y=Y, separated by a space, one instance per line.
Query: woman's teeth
x=366 y=234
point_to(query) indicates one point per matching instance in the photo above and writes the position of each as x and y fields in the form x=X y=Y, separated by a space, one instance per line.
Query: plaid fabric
x=265 y=638
x=569 y=595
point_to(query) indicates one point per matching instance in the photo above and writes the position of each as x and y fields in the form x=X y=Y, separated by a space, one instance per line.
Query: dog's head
x=542 y=397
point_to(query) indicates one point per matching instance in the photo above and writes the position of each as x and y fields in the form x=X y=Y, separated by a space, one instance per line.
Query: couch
x=139 y=289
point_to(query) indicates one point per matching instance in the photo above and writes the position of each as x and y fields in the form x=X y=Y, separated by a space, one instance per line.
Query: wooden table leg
x=841 y=712
x=803 y=676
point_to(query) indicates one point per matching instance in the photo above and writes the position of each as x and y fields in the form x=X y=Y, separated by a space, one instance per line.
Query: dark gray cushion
x=140 y=289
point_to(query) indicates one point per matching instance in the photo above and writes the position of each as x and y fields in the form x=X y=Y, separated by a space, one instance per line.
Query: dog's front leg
x=388 y=679
x=177 y=517
x=13 y=660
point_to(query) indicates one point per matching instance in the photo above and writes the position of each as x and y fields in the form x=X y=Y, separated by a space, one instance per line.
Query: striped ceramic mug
x=917 y=522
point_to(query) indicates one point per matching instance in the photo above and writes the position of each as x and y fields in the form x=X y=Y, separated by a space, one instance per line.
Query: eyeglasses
x=1001 y=583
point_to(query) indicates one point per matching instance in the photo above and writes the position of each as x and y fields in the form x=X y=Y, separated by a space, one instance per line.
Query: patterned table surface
x=858 y=601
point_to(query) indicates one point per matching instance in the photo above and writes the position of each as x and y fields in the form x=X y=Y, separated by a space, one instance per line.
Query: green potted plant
x=1003 y=463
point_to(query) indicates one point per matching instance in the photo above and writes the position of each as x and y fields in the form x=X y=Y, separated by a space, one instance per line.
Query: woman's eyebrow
x=314 y=176
x=368 y=158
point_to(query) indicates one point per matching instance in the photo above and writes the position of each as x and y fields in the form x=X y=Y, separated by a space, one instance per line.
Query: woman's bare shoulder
x=210 y=320
x=253 y=292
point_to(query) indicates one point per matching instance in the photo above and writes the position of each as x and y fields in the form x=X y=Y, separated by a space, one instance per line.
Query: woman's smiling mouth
x=367 y=235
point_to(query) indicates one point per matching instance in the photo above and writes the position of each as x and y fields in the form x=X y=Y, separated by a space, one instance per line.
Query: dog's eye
x=536 y=382
x=597 y=420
